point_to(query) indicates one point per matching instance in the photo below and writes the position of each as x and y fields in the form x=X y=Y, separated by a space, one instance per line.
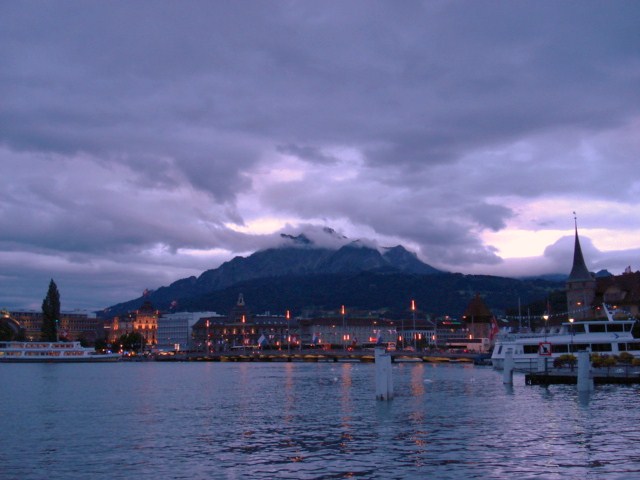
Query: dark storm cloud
x=130 y=128
x=307 y=153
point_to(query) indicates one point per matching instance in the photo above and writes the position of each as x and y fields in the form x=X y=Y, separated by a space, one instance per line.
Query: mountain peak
x=298 y=240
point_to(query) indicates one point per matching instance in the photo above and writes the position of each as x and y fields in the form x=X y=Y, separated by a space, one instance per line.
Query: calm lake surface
x=307 y=421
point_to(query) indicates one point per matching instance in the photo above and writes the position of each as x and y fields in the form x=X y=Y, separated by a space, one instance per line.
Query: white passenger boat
x=51 y=352
x=610 y=336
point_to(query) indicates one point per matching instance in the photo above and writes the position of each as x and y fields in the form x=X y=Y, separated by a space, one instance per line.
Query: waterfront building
x=117 y=326
x=581 y=285
x=477 y=317
x=240 y=328
x=174 y=329
x=73 y=326
x=586 y=293
x=143 y=321
x=621 y=291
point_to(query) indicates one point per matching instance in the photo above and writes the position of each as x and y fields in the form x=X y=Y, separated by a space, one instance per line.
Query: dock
x=323 y=356
x=621 y=375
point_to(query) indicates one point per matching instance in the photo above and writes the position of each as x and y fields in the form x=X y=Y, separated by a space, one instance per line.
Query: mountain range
x=300 y=275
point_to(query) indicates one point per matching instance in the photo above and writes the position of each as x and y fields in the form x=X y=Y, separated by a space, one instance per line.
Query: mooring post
x=585 y=382
x=542 y=364
x=507 y=371
x=384 y=380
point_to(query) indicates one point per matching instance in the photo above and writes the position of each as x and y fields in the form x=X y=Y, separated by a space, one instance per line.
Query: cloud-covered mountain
x=297 y=256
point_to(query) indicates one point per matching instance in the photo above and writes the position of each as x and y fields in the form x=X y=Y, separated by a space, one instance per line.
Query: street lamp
x=344 y=330
x=244 y=340
x=413 y=314
x=288 y=316
x=208 y=341
x=571 y=320
x=545 y=317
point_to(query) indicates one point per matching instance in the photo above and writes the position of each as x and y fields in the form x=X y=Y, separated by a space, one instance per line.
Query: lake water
x=306 y=421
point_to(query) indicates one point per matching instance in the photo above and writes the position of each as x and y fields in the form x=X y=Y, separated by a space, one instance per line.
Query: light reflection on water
x=309 y=421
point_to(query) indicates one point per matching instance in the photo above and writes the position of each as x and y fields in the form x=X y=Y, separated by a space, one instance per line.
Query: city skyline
x=143 y=143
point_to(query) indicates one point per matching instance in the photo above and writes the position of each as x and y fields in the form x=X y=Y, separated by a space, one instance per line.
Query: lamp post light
x=413 y=315
x=546 y=318
x=207 y=340
x=344 y=329
x=288 y=316
x=244 y=339
x=571 y=320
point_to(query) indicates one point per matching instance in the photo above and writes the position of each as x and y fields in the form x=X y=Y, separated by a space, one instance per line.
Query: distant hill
x=437 y=294
x=552 y=277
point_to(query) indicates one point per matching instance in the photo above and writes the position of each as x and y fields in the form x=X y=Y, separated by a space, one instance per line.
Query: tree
x=130 y=341
x=6 y=334
x=51 y=313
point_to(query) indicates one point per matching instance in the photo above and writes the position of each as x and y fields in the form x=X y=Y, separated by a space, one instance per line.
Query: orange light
x=413 y=305
x=242 y=318
x=342 y=310
x=288 y=315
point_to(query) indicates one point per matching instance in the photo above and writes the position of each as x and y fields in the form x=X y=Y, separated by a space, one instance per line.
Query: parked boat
x=51 y=352
x=606 y=337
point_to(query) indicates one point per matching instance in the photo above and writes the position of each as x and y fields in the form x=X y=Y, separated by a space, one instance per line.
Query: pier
x=314 y=355
x=621 y=375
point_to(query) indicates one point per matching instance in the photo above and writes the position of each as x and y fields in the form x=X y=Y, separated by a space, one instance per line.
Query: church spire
x=579 y=270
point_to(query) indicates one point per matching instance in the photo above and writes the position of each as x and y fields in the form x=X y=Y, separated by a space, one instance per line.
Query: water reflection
x=306 y=421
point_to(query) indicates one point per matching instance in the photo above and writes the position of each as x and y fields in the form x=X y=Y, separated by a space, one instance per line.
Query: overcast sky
x=143 y=142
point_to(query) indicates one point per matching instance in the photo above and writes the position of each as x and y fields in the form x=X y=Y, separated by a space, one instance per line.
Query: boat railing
x=510 y=337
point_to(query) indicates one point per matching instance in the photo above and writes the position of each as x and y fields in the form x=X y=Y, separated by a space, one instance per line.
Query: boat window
x=614 y=327
x=597 y=327
x=580 y=347
x=622 y=347
x=560 y=348
x=530 y=348
x=500 y=349
x=578 y=328
x=600 y=347
x=633 y=346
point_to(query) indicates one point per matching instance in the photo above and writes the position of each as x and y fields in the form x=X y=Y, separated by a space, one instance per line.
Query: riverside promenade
x=317 y=355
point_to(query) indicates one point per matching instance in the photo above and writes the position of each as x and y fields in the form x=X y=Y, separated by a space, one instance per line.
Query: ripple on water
x=306 y=421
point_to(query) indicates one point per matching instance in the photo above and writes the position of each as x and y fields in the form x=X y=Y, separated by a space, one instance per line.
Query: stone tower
x=581 y=285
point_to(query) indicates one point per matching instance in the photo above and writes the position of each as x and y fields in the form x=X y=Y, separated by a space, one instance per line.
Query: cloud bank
x=141 y=143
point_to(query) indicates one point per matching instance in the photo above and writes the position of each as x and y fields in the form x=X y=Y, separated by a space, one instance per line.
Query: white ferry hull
x=602 y=337
x=88 y=359
x=52 y=352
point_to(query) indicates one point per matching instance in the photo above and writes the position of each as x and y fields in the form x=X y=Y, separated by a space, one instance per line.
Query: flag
x=494 y=329
x=262 y=341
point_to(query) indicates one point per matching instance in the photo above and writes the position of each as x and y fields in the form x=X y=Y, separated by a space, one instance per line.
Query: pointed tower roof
x=478 y=310
x=579 y=270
